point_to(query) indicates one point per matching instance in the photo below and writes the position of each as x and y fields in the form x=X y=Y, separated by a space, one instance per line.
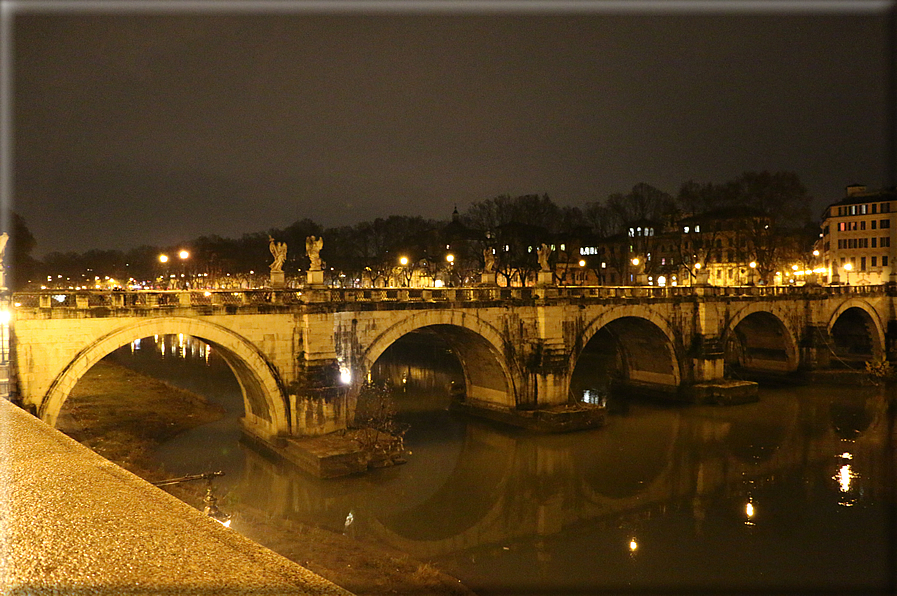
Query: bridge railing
x=92 y=299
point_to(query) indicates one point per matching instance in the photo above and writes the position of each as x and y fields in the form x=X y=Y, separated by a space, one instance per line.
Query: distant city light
x=184 y=254
x=163 y=258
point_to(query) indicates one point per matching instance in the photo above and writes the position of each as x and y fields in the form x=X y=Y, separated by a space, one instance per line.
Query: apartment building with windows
x=858 y=244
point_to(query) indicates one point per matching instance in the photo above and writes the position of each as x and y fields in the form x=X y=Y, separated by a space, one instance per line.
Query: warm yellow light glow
x=794 y=267
x=815 y=253
x=697 y=265
x=848 y=267
x=450 y=258
x=844 y=477
x=582 y=263
x=753 y=264
x=5 y=316
x=163 y=258
x=749 y=510
x=438 y=283
x=633 y=545
x=403 y=260
x=184 y=254
x=635 y=261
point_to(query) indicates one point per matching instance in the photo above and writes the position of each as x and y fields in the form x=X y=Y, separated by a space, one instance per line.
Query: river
x=789 y=494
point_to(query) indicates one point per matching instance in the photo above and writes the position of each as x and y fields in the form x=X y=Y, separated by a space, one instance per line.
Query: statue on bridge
x=488 y=260
x=313 y=248
x=279 y=251
x=543 y=253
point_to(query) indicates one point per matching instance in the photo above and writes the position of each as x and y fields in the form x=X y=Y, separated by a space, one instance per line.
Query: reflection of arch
x=630 y=460
x=478 y=346
x=856 y=331
x=263 y=394
x=757 y=340
x=645 y=340
x=478 y=473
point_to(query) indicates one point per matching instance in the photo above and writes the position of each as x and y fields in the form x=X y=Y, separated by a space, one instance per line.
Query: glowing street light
x=848 y=267
x=184 y=255
x=163 y=258
x=582 y=263
x=635 y=261
x=403 y=261
x=450 y=258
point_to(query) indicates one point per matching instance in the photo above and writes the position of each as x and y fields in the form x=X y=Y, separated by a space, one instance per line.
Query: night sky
x=135 y=126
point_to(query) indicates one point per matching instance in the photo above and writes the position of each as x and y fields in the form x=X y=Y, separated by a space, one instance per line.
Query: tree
x=379 y=434
x=18 y=263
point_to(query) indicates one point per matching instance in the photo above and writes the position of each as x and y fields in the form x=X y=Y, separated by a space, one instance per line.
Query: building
x=857 y=240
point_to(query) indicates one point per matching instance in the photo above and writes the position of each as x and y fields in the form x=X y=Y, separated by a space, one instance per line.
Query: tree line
x=509 y=226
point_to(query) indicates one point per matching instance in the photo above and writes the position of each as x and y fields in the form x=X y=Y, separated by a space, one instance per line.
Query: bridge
x=301 y=356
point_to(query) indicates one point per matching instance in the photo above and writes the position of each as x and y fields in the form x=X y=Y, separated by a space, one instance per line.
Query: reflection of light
x=591 y=396
x=633 y=545
x=749 y=510
x=844 y=476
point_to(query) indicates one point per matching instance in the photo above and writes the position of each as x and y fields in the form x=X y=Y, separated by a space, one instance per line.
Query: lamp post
x=403 y=261
x=163 y=259
x=848 y=267
x=183 y=255
x=753 y=266
x=450 y=259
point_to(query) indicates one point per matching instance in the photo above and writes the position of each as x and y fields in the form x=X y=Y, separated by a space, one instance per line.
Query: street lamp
x=753 y=266
x=848 y=267
x=403 y=261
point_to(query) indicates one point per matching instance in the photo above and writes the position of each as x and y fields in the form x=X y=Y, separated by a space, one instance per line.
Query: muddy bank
x=124 y=416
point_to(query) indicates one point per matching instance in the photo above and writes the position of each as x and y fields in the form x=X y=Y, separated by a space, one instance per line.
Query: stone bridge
x=301 y=356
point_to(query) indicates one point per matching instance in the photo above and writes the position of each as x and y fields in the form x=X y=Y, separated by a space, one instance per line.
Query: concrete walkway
x=73 y=523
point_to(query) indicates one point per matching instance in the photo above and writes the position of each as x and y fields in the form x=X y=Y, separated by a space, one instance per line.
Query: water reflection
x=787 y=493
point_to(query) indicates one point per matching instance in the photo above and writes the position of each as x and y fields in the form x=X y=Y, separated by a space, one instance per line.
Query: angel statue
x=489 y=260
x=279 y=251
x=313 y=248
x=544 y=252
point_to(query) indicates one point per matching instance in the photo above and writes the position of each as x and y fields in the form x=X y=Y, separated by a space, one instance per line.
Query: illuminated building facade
x=857 y=243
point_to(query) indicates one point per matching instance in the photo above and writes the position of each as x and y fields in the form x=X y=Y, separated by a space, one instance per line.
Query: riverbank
x=124 y=416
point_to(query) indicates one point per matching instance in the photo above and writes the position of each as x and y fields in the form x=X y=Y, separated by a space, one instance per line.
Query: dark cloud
x=151 y=128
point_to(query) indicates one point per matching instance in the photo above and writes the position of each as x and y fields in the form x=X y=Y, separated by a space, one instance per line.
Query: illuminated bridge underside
x=518 y=348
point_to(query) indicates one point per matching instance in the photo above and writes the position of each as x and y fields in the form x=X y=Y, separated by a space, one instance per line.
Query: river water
x=792 y=494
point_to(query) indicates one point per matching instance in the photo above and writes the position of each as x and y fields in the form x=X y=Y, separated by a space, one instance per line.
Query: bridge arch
x=856 y=331
x=647 y=346
x=476 y=344
x=756 y=339
x=263 y=394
